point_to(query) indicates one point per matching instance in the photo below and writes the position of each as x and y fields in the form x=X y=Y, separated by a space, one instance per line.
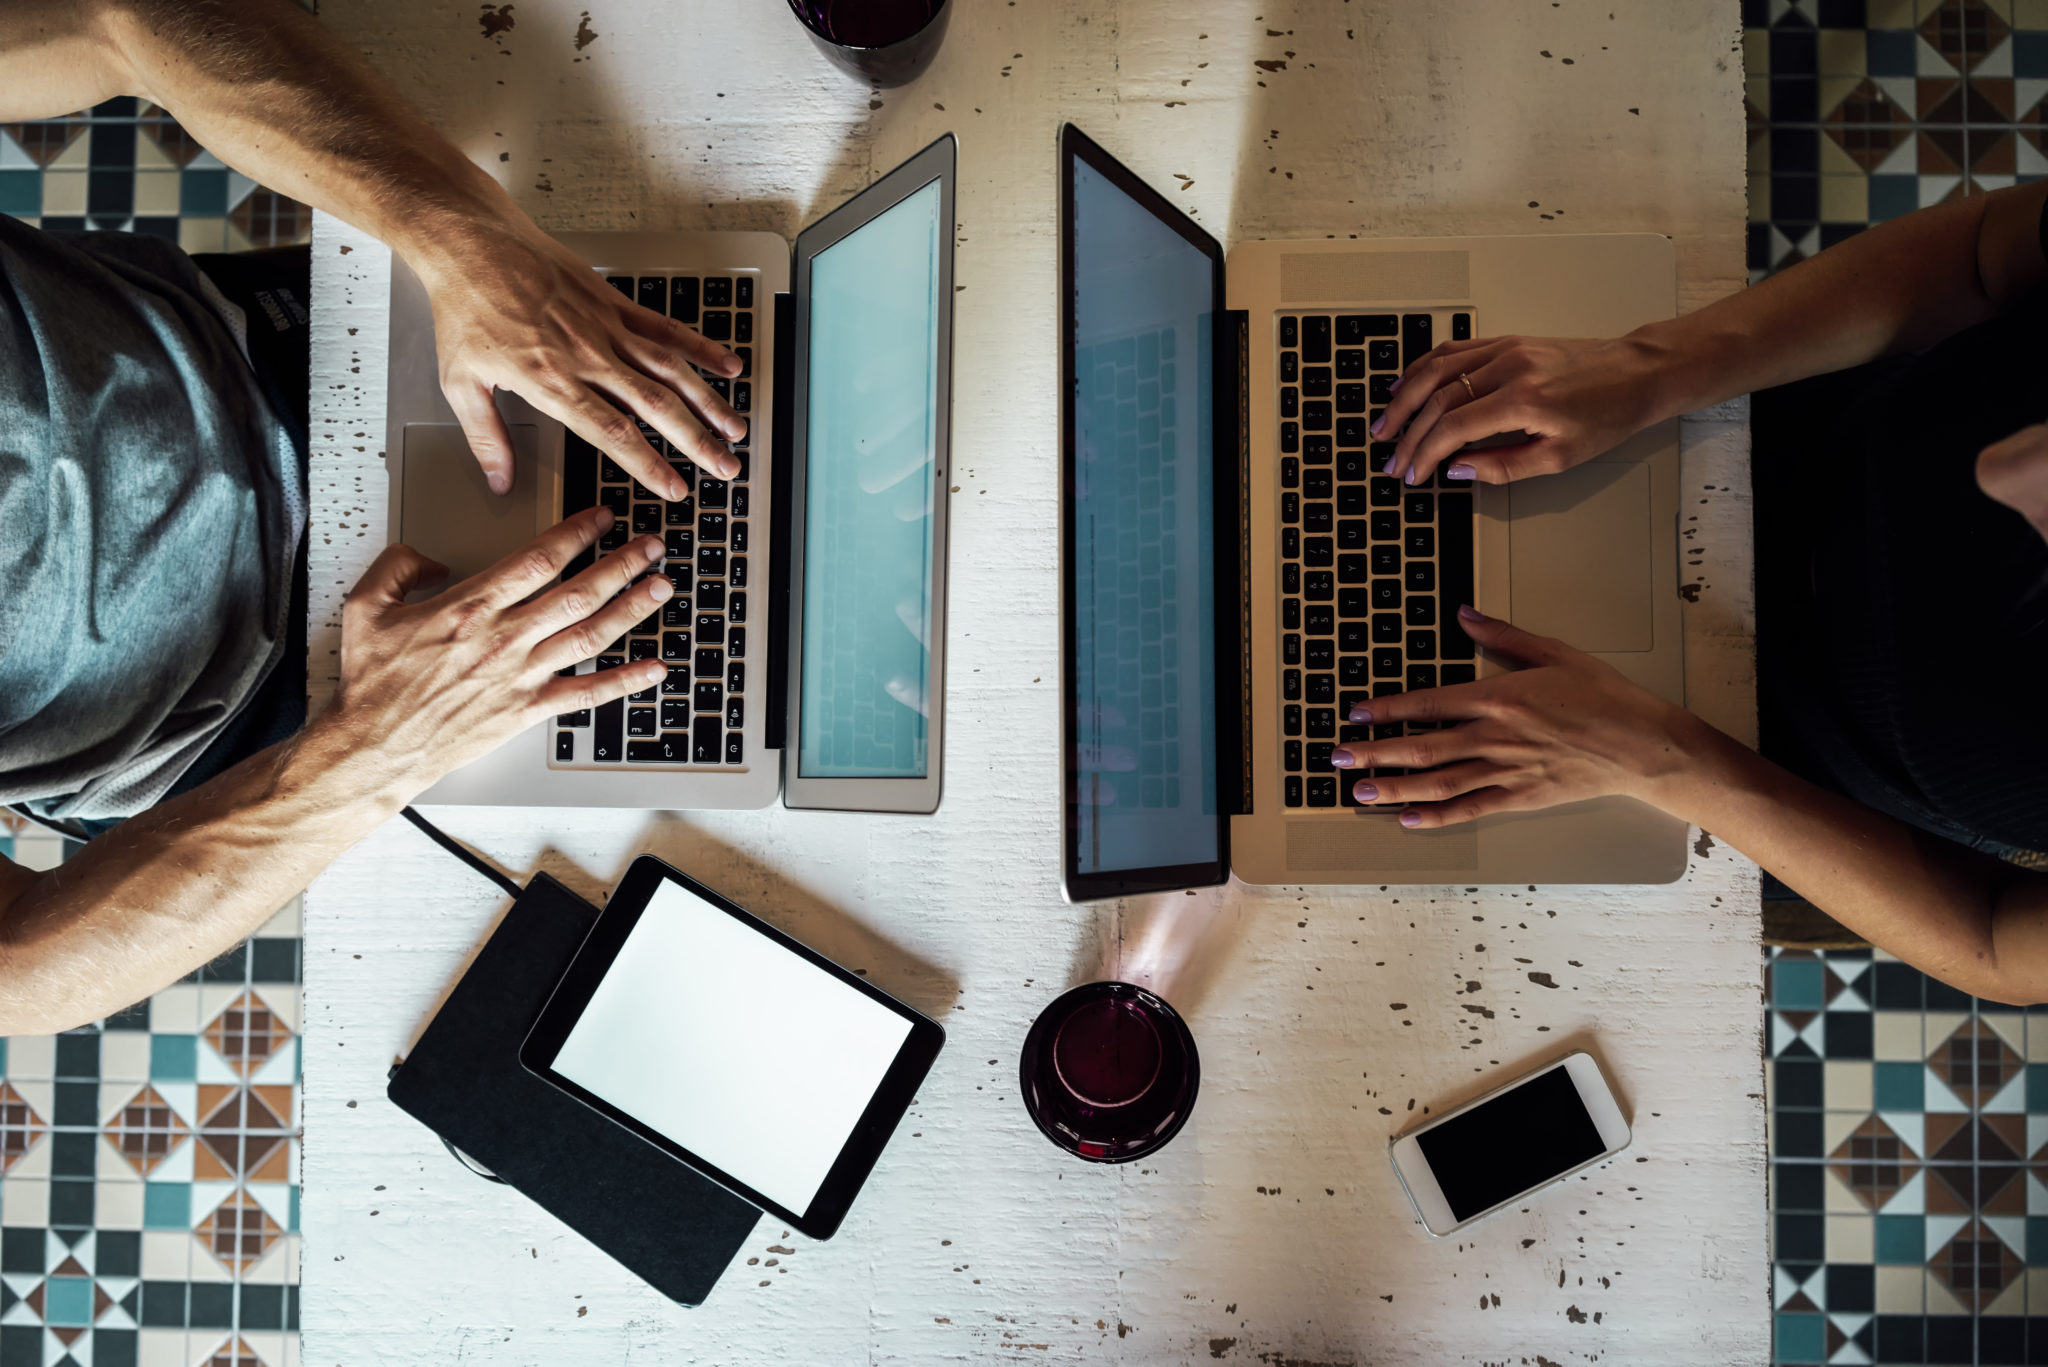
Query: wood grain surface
x=1273 y=1230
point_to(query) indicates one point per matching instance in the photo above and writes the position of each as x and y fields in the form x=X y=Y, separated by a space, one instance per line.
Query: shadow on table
x=1176 y=945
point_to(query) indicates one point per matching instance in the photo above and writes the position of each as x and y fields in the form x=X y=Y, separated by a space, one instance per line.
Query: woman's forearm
x=1898 y=287
x=1963 y=917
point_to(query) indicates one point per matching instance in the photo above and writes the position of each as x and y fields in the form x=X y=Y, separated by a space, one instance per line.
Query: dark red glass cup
x=1109 y=1072
x=886 y=42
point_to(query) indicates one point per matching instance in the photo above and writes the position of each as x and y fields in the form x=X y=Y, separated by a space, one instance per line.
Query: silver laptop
x=806 y=637
x=1237 y=575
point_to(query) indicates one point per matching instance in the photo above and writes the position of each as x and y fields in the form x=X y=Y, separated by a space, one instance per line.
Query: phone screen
x=1518 y=1140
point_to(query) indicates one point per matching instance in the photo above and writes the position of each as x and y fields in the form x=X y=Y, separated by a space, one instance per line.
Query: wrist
x=1679 y=365
x=1692 y=765
x=356 y=771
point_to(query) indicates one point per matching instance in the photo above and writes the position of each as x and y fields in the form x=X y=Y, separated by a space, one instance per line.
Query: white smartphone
x=1521 y=1136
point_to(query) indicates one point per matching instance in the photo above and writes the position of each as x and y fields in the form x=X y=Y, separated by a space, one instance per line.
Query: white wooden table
x=1272 y=1229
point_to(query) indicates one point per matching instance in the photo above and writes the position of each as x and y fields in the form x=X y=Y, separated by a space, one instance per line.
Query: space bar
x=1454 y=572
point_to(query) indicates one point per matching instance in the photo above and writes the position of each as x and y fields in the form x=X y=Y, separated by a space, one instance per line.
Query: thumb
x=1504 y=638
x=396 y=572
x=484 y=426
x=1504 y=464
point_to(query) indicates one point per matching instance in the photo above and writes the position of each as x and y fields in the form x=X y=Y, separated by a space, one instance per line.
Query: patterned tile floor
x=149 y=1164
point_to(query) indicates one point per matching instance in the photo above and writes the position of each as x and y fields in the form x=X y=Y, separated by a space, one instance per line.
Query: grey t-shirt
x=150 y=514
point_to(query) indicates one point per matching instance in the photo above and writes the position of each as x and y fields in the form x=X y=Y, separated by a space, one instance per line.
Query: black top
x=1903 y=614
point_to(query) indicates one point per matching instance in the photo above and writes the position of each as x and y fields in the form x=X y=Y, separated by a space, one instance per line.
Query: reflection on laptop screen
x=1141 y=537
x=873 y=410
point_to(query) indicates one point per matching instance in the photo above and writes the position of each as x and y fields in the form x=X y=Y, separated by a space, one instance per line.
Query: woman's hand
x=1574 y=398
x=516 y=310
x=1564 y=728
x=2015 y=472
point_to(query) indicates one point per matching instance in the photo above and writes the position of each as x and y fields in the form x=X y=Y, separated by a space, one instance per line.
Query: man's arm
x=424 y=689
x=271 y=93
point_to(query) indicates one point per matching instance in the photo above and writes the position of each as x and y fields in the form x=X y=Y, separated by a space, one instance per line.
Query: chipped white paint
x=1272 y=1228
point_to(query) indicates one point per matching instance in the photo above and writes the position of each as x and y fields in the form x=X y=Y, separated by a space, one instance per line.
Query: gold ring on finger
x=1466 y=380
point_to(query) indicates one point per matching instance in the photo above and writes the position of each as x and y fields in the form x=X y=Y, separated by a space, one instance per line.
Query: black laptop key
x=708 y=697
x=736 y=677
x=675 y=714
x=1385 y=356
x=1290 y=472
x=743 y=291
x=1322 y=621
x=743 y=327
x=717 y=326
x=1353 y=603
x=1318 y=484
x=675 y=645
x=720 y=386
x=1318 y=586
x=678 y=680
x=736 y=611
x=1382 y=453
x=708 y=661
x=710 y=629
x=579 y=474
x=682 y=298
x=1290 y=578
x=1415 y=338
x=706 y=739
x=1353 y=638
x=736 y=642
x=680 y=512
x=746 y=355
x=643 y=648
x=1353 y=569
x=1417 y=508
x=1289 y=330
x=676 y=614
x=1319 y=755
x=711 y=598
x=1293 y=756
x=1386 y=663
x=1290 y=368
x=1290 y=402
x=1350 y=398
x=580 y=717
x=1350 y=365
x=1290 y=508
x=1386 y=492
x=735 y=713
x=718 y=292
x=1322 y=688
x=713 y=493
x=653 y=293
x=710 y=562
x=681 y=543
x=1315 y=382
x=1386 y=525
x=1290 y=543
x=1290 y=685
x=1353 y=330
x=618 y=498
x=742 y=396
x=1290 y=436
x=1419 y=541
x=1351 y=467
x=1351 y=431
x=1315 y=450
x=1290 y=614
x=1457 y=674
x=660 y=750
x=1421 y=677
x=1421 y=610
x=1290 y=719
x=640 y=721
x=710 y=527
x=1322 y=723
x=1454 y=564
x=1317 y=517
x=1386 y=593
x=1382 y=390
x=1293 y=784
x=1315 y=415
x=608 y=737
x=565 y=746
x=646 y=518
x=735 y=747
x=1421 y=645
x=622 y=283
x=1316 y=552
x=1290 y=649
x=1321 y=653
x=1461 y=327
x=1351 y=501
x=1315 y=341
x=1352 y=673
x=1420 y=576
x=1386 y=559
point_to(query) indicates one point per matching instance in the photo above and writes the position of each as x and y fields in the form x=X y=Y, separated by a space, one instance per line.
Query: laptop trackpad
x=447 y=512
x=1579 y=558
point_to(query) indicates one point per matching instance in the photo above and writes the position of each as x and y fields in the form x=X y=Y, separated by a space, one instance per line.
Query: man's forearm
x=269 y=91
x=168 y=890
x=1966 y=918
x=1898 y=287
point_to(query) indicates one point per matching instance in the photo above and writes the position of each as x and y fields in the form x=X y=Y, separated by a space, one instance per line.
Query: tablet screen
x=870 y=451
x=733 y=1047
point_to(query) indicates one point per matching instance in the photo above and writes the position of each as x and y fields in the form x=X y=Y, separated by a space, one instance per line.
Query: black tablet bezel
x=884 y=1111
x=1077 y=147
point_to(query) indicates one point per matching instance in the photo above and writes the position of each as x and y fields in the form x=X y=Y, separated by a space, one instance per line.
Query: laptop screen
x=873 y=412
x=1140 y=548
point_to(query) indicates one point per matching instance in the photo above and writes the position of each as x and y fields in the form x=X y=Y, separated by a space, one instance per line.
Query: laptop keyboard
x=696 y=716
x=1371 y=570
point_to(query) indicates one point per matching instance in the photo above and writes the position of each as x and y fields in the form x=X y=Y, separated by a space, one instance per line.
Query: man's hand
x=1566 y=728
x=516 y=310
x=1574 y=398
x=433 y=685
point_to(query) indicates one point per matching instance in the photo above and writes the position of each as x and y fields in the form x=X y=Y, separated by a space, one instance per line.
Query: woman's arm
x=1898 y=287
x=271 y=93
x=1569 y=727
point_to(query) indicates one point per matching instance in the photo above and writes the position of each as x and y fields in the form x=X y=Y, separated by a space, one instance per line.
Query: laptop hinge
x=779 y=460
x=1233 y=563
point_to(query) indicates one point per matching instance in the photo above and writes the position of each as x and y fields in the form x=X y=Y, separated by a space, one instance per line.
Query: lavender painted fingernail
x=1361 y=713
x=1341 y=759
x=1365 y=792
x=1461 y=472
x=1378 y=423
x=1411 y=819
x=1470 y=613
x=1395 y=387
